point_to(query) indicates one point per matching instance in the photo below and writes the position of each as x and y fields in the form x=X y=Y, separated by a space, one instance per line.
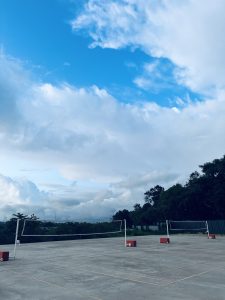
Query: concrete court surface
x=191 y=267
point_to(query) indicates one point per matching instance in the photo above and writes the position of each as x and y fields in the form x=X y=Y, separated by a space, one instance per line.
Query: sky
x=102 y=100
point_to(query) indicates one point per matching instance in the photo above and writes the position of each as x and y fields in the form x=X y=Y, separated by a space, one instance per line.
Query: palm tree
x=33 y=217
x=20 y=216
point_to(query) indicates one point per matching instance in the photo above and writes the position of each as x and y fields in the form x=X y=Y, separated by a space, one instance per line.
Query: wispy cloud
x=157 y=76
x=188 y=33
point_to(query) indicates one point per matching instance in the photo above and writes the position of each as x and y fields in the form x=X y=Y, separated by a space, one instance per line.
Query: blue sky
x=40 y=34
x=101 y=100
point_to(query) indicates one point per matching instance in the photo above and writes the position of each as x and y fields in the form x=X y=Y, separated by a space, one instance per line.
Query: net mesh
x=195 y=226
x=37 y=228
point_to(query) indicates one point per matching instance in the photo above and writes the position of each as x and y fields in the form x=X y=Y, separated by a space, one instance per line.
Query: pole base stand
x=164 y=240
x=212 y=236
x=4 y=255
x=131 y=243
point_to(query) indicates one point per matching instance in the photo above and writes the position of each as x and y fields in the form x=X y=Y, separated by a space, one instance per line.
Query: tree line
x=202 y=197
x=36 y=230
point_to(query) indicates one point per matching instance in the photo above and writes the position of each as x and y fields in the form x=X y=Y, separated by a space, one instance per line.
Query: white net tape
x=37 y=228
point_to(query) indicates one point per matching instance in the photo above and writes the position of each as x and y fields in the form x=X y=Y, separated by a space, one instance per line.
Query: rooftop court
x=191 y=267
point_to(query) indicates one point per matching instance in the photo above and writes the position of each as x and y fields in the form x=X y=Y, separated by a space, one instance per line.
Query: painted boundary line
x=188 y=277
x=125 y=278
x=52 y=284
x=193 y=276
x=82 y=268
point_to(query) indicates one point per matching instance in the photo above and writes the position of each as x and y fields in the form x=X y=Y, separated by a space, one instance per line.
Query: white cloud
x=64 y=203
x=20 y=195
x=119 y=150
x=189 y=33
x=86 y=134
x=156 y=76
x=14 y=80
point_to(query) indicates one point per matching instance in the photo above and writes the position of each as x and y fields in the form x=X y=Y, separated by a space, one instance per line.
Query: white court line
x=82 y=266
x=111 y=253
x=125 y=278
x=191 y=276
x=132 y=253
x=158 y=284
x=53 y=284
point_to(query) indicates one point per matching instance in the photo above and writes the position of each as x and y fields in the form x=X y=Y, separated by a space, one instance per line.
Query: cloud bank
x=118 y=149
x=86 y=134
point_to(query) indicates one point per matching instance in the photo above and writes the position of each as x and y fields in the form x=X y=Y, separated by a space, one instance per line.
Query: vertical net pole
x=207 y=228
x=16 y=237
x=125 y=232
x=167 y=229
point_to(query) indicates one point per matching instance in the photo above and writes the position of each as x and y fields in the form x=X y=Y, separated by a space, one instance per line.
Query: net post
x=125 y=233
x=16 y=237
x=207 y=228
x=167 y=229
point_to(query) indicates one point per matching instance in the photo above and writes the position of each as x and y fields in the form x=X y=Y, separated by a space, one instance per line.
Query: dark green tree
x=152 y=196
x=137 y=207
x=124 y=214
x=20 y=216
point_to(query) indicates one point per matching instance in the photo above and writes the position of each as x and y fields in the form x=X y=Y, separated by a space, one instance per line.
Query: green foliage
x=201 y=198
x=153 y=195
x=19 y=216
x=124 y=215
x=34 y=226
